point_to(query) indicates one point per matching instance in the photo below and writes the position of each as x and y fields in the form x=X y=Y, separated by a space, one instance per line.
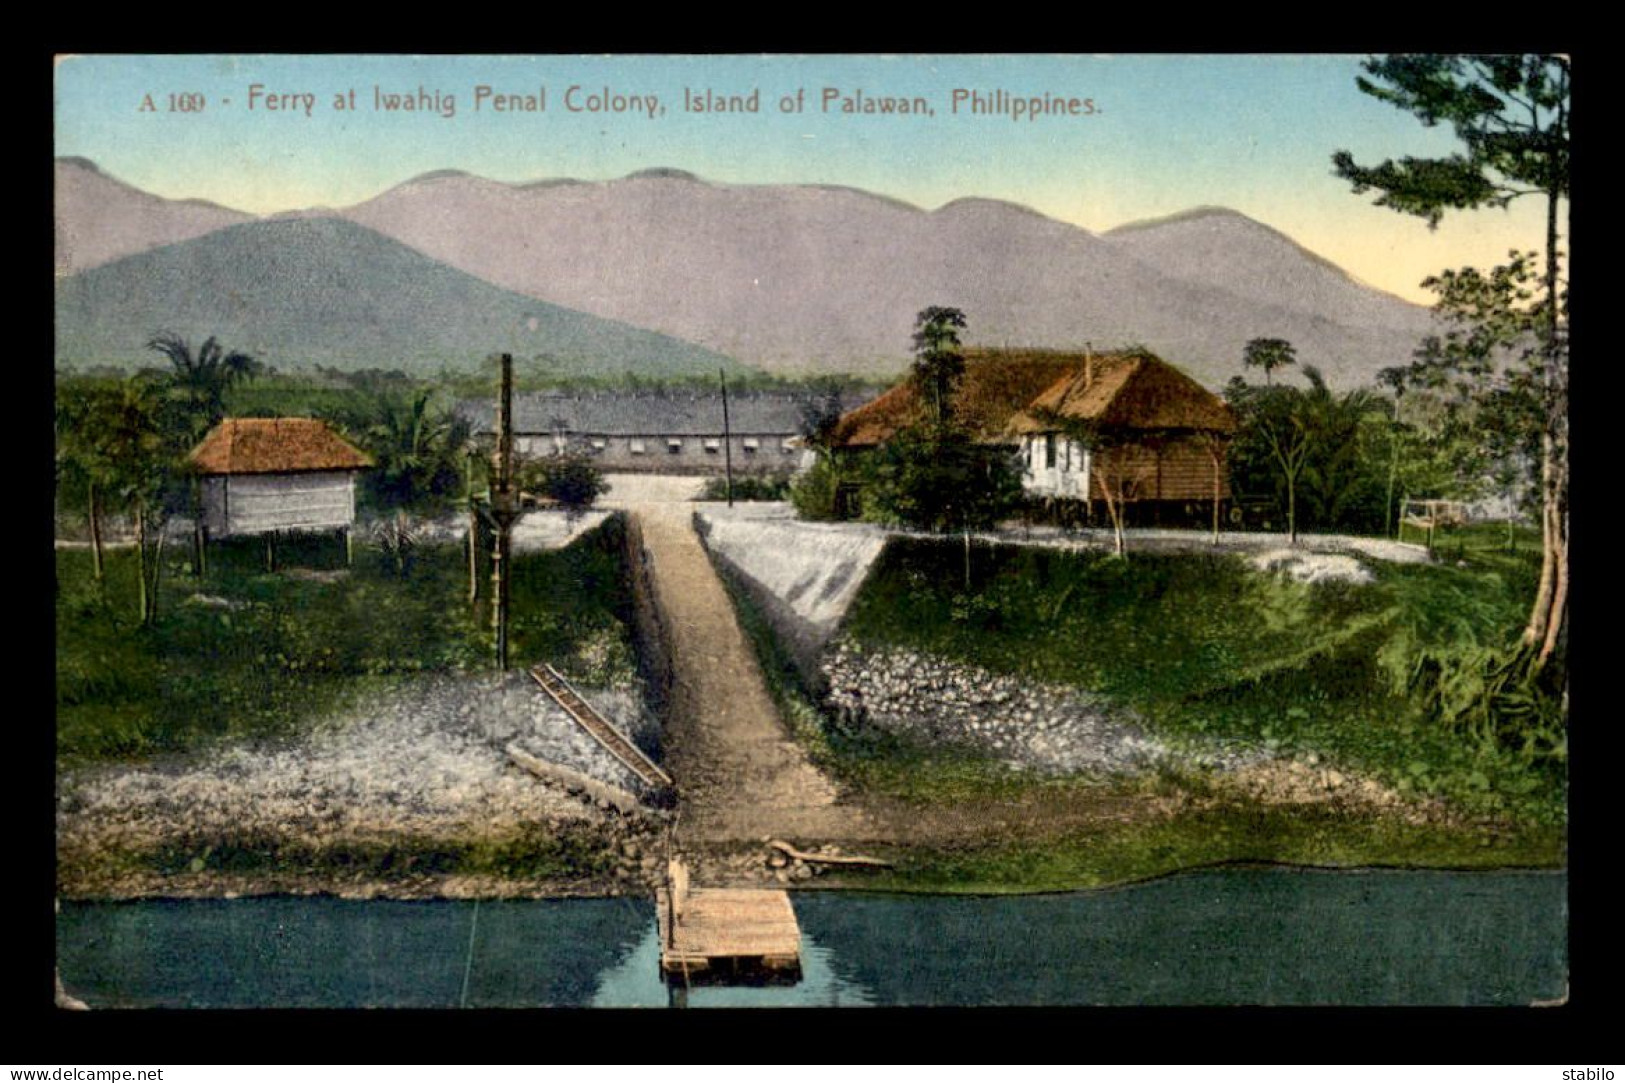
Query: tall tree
x=84 y=412
x=1281 y=421
x=1511 y=115
x=197 y=385
x=138 y=442
x=1269 y=354
x=938 y=362
x=201 y=380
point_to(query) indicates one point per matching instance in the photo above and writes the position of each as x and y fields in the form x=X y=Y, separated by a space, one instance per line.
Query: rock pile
x=1027 y=724
x=426 y=761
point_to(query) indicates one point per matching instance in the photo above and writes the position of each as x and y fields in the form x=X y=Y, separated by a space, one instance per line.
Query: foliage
x=1240 y=655
x=933 y=478
x=938 y=364
x=821 y=406
x=417 y=447
x=815 y=493
x=244 y=653
x=762 y=487
x=200 y=381
x=1269 y=354
x=570 y=478
x=1511 y=116
x=1510 y=113
x=1323 y=456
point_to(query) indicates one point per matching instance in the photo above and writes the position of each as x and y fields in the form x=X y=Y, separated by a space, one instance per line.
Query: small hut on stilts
x=265 y=476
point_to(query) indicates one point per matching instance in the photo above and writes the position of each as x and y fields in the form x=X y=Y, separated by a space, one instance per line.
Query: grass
x=1237 y=655
x=242 y=652
x=1121 y=853
x=1204 y=646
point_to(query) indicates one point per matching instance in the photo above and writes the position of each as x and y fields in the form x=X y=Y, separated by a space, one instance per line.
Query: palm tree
x=197 y=386
x=417 y=449
x=201 y=380
x=1269 y=354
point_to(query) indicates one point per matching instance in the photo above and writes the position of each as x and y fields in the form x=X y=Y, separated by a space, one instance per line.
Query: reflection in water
x=635 y=983
x=1232 y=936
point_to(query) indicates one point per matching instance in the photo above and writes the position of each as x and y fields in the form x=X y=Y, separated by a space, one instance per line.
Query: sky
x=1120 y=138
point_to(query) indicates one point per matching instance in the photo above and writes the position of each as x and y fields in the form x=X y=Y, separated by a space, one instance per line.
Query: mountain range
x=790 y=278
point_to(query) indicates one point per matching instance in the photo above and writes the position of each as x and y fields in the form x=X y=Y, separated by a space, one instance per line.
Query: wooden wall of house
x=1181 y=469
x=265 y=503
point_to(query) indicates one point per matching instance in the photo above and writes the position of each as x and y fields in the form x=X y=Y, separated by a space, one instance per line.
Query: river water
x=1225 y=936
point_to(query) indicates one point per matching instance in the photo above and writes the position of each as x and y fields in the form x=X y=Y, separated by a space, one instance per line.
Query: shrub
x=749 y=487
x=571 y=479
x=814 y=493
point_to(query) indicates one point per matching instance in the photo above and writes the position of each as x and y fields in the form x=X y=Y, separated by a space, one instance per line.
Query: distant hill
x=797 y=277
x=99 y=219
x=821 y=278
x=327 y=291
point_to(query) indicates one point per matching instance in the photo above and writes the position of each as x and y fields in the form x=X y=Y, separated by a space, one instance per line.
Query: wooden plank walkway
x=711 y=933
x=600 y=728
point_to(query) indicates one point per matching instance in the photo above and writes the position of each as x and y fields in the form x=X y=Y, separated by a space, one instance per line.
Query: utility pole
x=504 y=509
x=727 y=438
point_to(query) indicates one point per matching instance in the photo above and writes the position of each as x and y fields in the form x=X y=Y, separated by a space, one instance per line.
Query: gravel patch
x=425 y=760
x=1307 y=567
x=534 y=531
x=1049 y=728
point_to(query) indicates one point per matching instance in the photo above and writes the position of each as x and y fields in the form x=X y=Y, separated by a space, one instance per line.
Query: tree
x=1335 y=475
x=940 y=479
x=1511 y=115
x=1269 y=354
x=197 y=386
x=84 y=411
x=1277 y=415
x=571 y=479
x=201 y=381
x=938 y=364
x=139 y=450
x=820 y=407
x=417 y=449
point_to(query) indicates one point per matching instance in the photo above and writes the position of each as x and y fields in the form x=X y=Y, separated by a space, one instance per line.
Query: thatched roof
x=997 y=384
x=1006 y=393
x=275 y=445
x=1129 y=391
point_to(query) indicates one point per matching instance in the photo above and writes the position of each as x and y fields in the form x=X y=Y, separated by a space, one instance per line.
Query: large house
x=1122 y=426
x=666 y=432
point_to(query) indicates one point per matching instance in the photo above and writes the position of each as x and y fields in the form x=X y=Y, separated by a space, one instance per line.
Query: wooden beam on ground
x=827 y=859
x=575 y=781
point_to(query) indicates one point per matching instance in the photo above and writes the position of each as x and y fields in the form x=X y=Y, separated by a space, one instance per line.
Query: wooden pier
x=712 y=934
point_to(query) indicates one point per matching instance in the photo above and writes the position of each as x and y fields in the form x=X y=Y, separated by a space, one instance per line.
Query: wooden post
x=727 y=439
x=503 y=509
x=349 y=549
x=199 y=539
x=270 y=553
x=473 y=532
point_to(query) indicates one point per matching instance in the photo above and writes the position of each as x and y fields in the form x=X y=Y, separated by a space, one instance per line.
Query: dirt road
x=739 y=775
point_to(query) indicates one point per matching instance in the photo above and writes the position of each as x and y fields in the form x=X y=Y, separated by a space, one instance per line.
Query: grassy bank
x=1227 y=834
x=1201 y=646
x=1205 y=646
x=242 y=652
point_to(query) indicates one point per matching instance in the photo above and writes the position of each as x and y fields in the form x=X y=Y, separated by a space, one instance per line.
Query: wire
x=468 y=965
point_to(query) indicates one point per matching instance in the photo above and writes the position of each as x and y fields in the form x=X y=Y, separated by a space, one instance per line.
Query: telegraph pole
x=504 y=509
x=727 y=438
